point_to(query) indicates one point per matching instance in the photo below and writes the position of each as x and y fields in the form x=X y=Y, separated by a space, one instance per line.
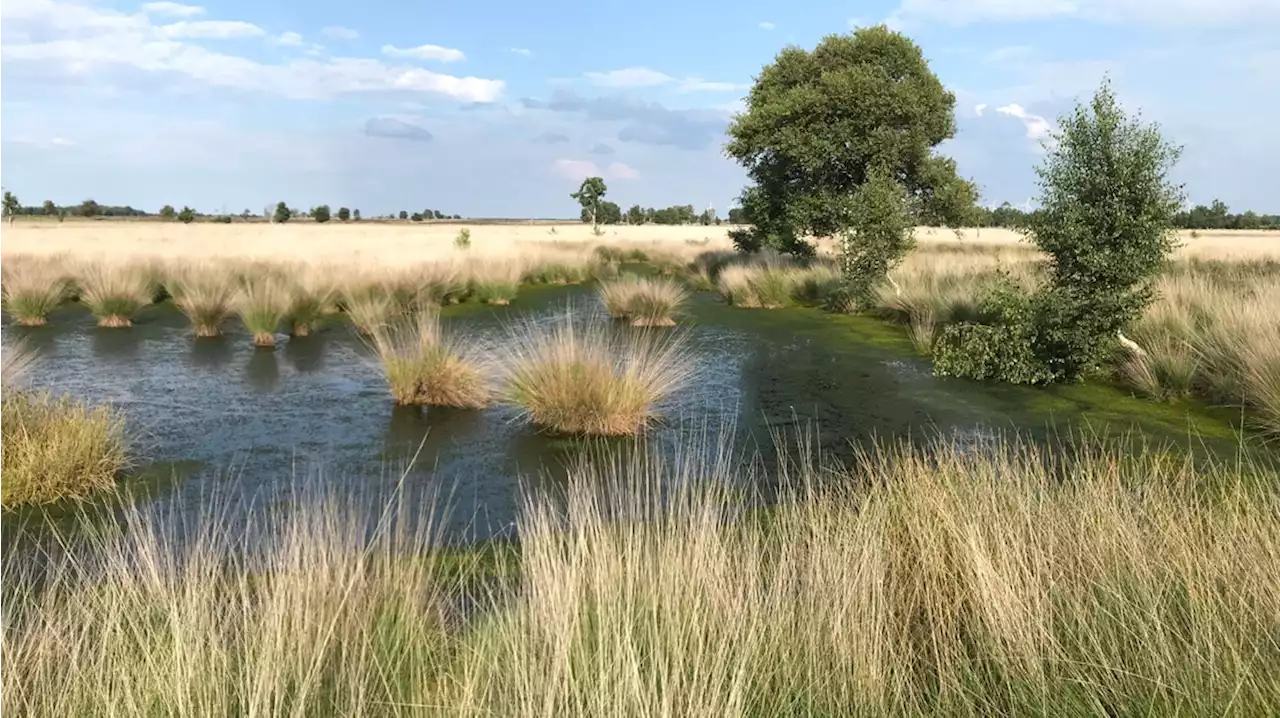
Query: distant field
x=394 y=242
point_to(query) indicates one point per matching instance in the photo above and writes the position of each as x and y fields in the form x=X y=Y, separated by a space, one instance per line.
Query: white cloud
x=522 y=51
x=425 y=52
x=80 y=41
x=289 y=39
x=617 y=170
x=767 y=26
x=340 y=33
x=1038 y=128
x=575 y=169
x=1152 y=12
x=630 y=77
x=978 y=110
x=1008 y=53
x=211 y=30
x=578 y=170
x=172 y=8
x=695 y=85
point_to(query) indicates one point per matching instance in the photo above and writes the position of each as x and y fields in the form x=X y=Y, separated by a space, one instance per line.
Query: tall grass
x=584 y=378
x=495 y=283
x=938 y=581
x=368 y=306
x=644 y=301
x=207 y=296
x=311 y=297
x=114 y=293
x=423 y=365
x=31 y=289
x=262 y=304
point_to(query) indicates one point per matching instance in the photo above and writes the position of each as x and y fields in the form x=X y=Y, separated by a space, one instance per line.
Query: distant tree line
x=1214 y=216
x=597 y=210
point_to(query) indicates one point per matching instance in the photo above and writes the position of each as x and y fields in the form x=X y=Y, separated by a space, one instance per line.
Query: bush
x=321 y=213
x=55 y=448
x=187 y=215
x=463 y=240
x=1003 y=349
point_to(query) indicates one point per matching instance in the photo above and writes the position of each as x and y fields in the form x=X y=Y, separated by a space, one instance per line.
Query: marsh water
x=216 y=416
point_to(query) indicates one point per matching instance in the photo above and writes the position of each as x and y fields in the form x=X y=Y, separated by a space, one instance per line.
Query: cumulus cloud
x=336 y=32
x=767 y=26
x=75 y=42
x=630 y=77
x=642 y=122
x=289 y=39
x=601 y=148
x=578 y=170
x=211 y=30
x=977 y=110
x=425 y=52
x=1038 y=128
x=172 y=8
x=524 y=51
x=399 y=128
x=696 y=85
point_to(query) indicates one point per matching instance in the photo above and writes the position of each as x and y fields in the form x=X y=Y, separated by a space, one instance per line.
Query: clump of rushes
x=115 y=293
x=309 y=299
x=735 y=286
x=53 y=448
x=31 y=290
x=656 y=303
x=589 y=379
x=424 y=366
x=368 y=307
x=617 y=296
x=441 y=283
x=206 y=297
x=772 y=286
x=495 y=283
x=262 y=305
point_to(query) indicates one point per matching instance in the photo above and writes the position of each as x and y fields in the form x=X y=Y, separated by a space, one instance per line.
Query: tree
x=282 y=213
x=820 y=125
x=321 y=213
x=1106 y=223
x=589 y=195
x=168 y=212
x=344 y=214
x=404 y=214
x=438 y=214
x=416 y=217
x=89 y=208
x=187 y=215
x=355 y=215
x=11 y=206
x=737 y=216
x=50 y=209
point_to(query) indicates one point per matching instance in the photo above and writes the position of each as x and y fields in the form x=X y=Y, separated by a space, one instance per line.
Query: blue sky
x=499 y=108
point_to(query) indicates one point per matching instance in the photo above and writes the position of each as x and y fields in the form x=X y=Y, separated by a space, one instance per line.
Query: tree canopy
x=589 y=195
x=818 y=124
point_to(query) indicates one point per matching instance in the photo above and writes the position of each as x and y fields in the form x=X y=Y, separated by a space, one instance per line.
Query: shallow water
x=218 y=416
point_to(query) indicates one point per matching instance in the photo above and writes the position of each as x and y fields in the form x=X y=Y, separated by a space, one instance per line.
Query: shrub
x=588 y=379
x=1003 y=349
x=56 y=448
x=114 y=293
x=262 y=305
x=463 y=240
x=424 y=366
x=31 y=290
x=207 y=297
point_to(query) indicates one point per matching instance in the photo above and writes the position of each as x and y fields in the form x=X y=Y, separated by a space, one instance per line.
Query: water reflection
x=263 y=370
x=306 y=354
x=116 y=344
x=212 y=353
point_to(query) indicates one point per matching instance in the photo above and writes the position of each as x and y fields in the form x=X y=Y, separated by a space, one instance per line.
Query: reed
x=310 y=298
x=656 y=303
x=368 y=307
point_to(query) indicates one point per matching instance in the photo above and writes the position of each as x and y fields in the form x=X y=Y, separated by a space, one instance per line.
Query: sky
x=497 y=108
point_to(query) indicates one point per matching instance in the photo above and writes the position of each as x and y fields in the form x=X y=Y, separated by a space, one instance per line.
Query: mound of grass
x=495 y=283
x=31 y=290
x=368 y=307
x=262 y=305
x=589 y=379
x=55 y=448
x=656 y=302
x=423 y=366
x=618 y=294
x=207 y=297
x=115 y=293
x=309 y=301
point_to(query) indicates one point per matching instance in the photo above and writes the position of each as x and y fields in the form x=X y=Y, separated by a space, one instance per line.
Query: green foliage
x=1105 y=222
x=819 y=124
x=1002 y=349
x=877 y=239
x=344 y=214
x=1107 y=209
x=88 y=208
x=404 y=214
x=463 y=240
x=11 y=204
x=283 y=213
x=355 y=215
x=187 y=215
x=321 y=213
x=168 y=212
x=589 y=195
x=49 y=208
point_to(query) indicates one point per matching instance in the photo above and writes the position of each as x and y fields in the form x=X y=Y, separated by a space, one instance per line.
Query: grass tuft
x=207 y=297
x=262 y=305
x=31 y=290
x=115 y=293
x=310 y=298
x=495 y=282
x=589 y=379
x=368 y=307
x=424 y=366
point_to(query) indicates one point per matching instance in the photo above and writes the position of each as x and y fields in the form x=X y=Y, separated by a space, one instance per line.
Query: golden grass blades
x=424 y=365
x=115 y=292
